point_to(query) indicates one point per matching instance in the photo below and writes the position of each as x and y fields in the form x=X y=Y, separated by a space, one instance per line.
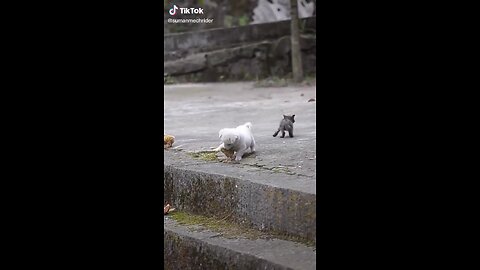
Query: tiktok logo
x=173 y=10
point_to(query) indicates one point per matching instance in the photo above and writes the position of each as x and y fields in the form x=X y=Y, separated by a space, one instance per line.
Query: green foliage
x=228 y=21
x=204 y=155
x=167 y=79
x=231 y=21
x=243 y=20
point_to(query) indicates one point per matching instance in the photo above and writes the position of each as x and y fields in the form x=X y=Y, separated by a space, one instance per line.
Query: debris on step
x=229 y=153
x=167 y=209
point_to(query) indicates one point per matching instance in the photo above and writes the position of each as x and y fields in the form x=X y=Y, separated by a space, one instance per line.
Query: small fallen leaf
x=167 y=209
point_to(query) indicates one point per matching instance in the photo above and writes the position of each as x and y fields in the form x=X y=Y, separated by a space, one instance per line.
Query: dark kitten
x=286 y=124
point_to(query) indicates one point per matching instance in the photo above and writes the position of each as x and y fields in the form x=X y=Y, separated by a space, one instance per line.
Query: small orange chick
x=168 y=141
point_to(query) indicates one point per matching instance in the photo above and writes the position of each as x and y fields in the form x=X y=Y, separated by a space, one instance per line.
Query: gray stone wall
x=243 y=53
x=207 y=40
x=228 y=13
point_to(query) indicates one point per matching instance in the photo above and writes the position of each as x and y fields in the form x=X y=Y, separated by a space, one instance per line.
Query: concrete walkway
x=194 y=113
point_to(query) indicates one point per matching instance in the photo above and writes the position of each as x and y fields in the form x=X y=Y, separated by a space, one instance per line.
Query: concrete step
x=177 y=62
x=267 y=199
x=212 y=39
x=188 y=247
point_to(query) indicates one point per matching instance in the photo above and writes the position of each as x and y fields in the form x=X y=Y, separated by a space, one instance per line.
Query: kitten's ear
x=236 y=137
x=284 y=116
x=293 y=116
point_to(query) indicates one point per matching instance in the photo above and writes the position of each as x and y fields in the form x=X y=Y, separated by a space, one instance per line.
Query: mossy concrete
x=245 y=199
x=274 y=189
x=204 y=155
x=194 y=113
x=228 y=229
x=223 y=226
x=187 y=249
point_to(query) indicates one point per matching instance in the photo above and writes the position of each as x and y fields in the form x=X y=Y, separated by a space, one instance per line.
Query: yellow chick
x=168 y=141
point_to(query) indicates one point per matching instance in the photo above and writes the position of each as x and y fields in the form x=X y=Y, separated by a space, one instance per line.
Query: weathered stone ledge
x=264 y=200
x=199 y=249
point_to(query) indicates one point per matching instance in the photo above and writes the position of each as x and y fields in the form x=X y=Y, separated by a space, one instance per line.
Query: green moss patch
x=275 y=169
x=223 y=226
x=205 y=155
x=228 y=229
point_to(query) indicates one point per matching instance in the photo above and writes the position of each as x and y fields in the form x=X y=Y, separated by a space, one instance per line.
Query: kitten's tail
x=248 y=125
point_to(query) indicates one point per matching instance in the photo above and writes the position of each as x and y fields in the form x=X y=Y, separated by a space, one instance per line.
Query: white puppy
x=239 y=139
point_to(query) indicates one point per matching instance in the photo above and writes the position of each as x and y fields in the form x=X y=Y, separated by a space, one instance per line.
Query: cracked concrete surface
x=194 y=113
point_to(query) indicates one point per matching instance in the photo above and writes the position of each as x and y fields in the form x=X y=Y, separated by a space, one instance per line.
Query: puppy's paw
x=216 y=149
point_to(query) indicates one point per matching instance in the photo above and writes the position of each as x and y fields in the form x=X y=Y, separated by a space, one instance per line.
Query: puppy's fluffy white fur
x=239 y=139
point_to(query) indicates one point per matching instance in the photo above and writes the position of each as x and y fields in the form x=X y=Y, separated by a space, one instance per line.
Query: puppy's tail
x=248 y=125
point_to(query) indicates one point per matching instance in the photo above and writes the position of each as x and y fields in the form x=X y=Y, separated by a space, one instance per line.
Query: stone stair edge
x=212 y=248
